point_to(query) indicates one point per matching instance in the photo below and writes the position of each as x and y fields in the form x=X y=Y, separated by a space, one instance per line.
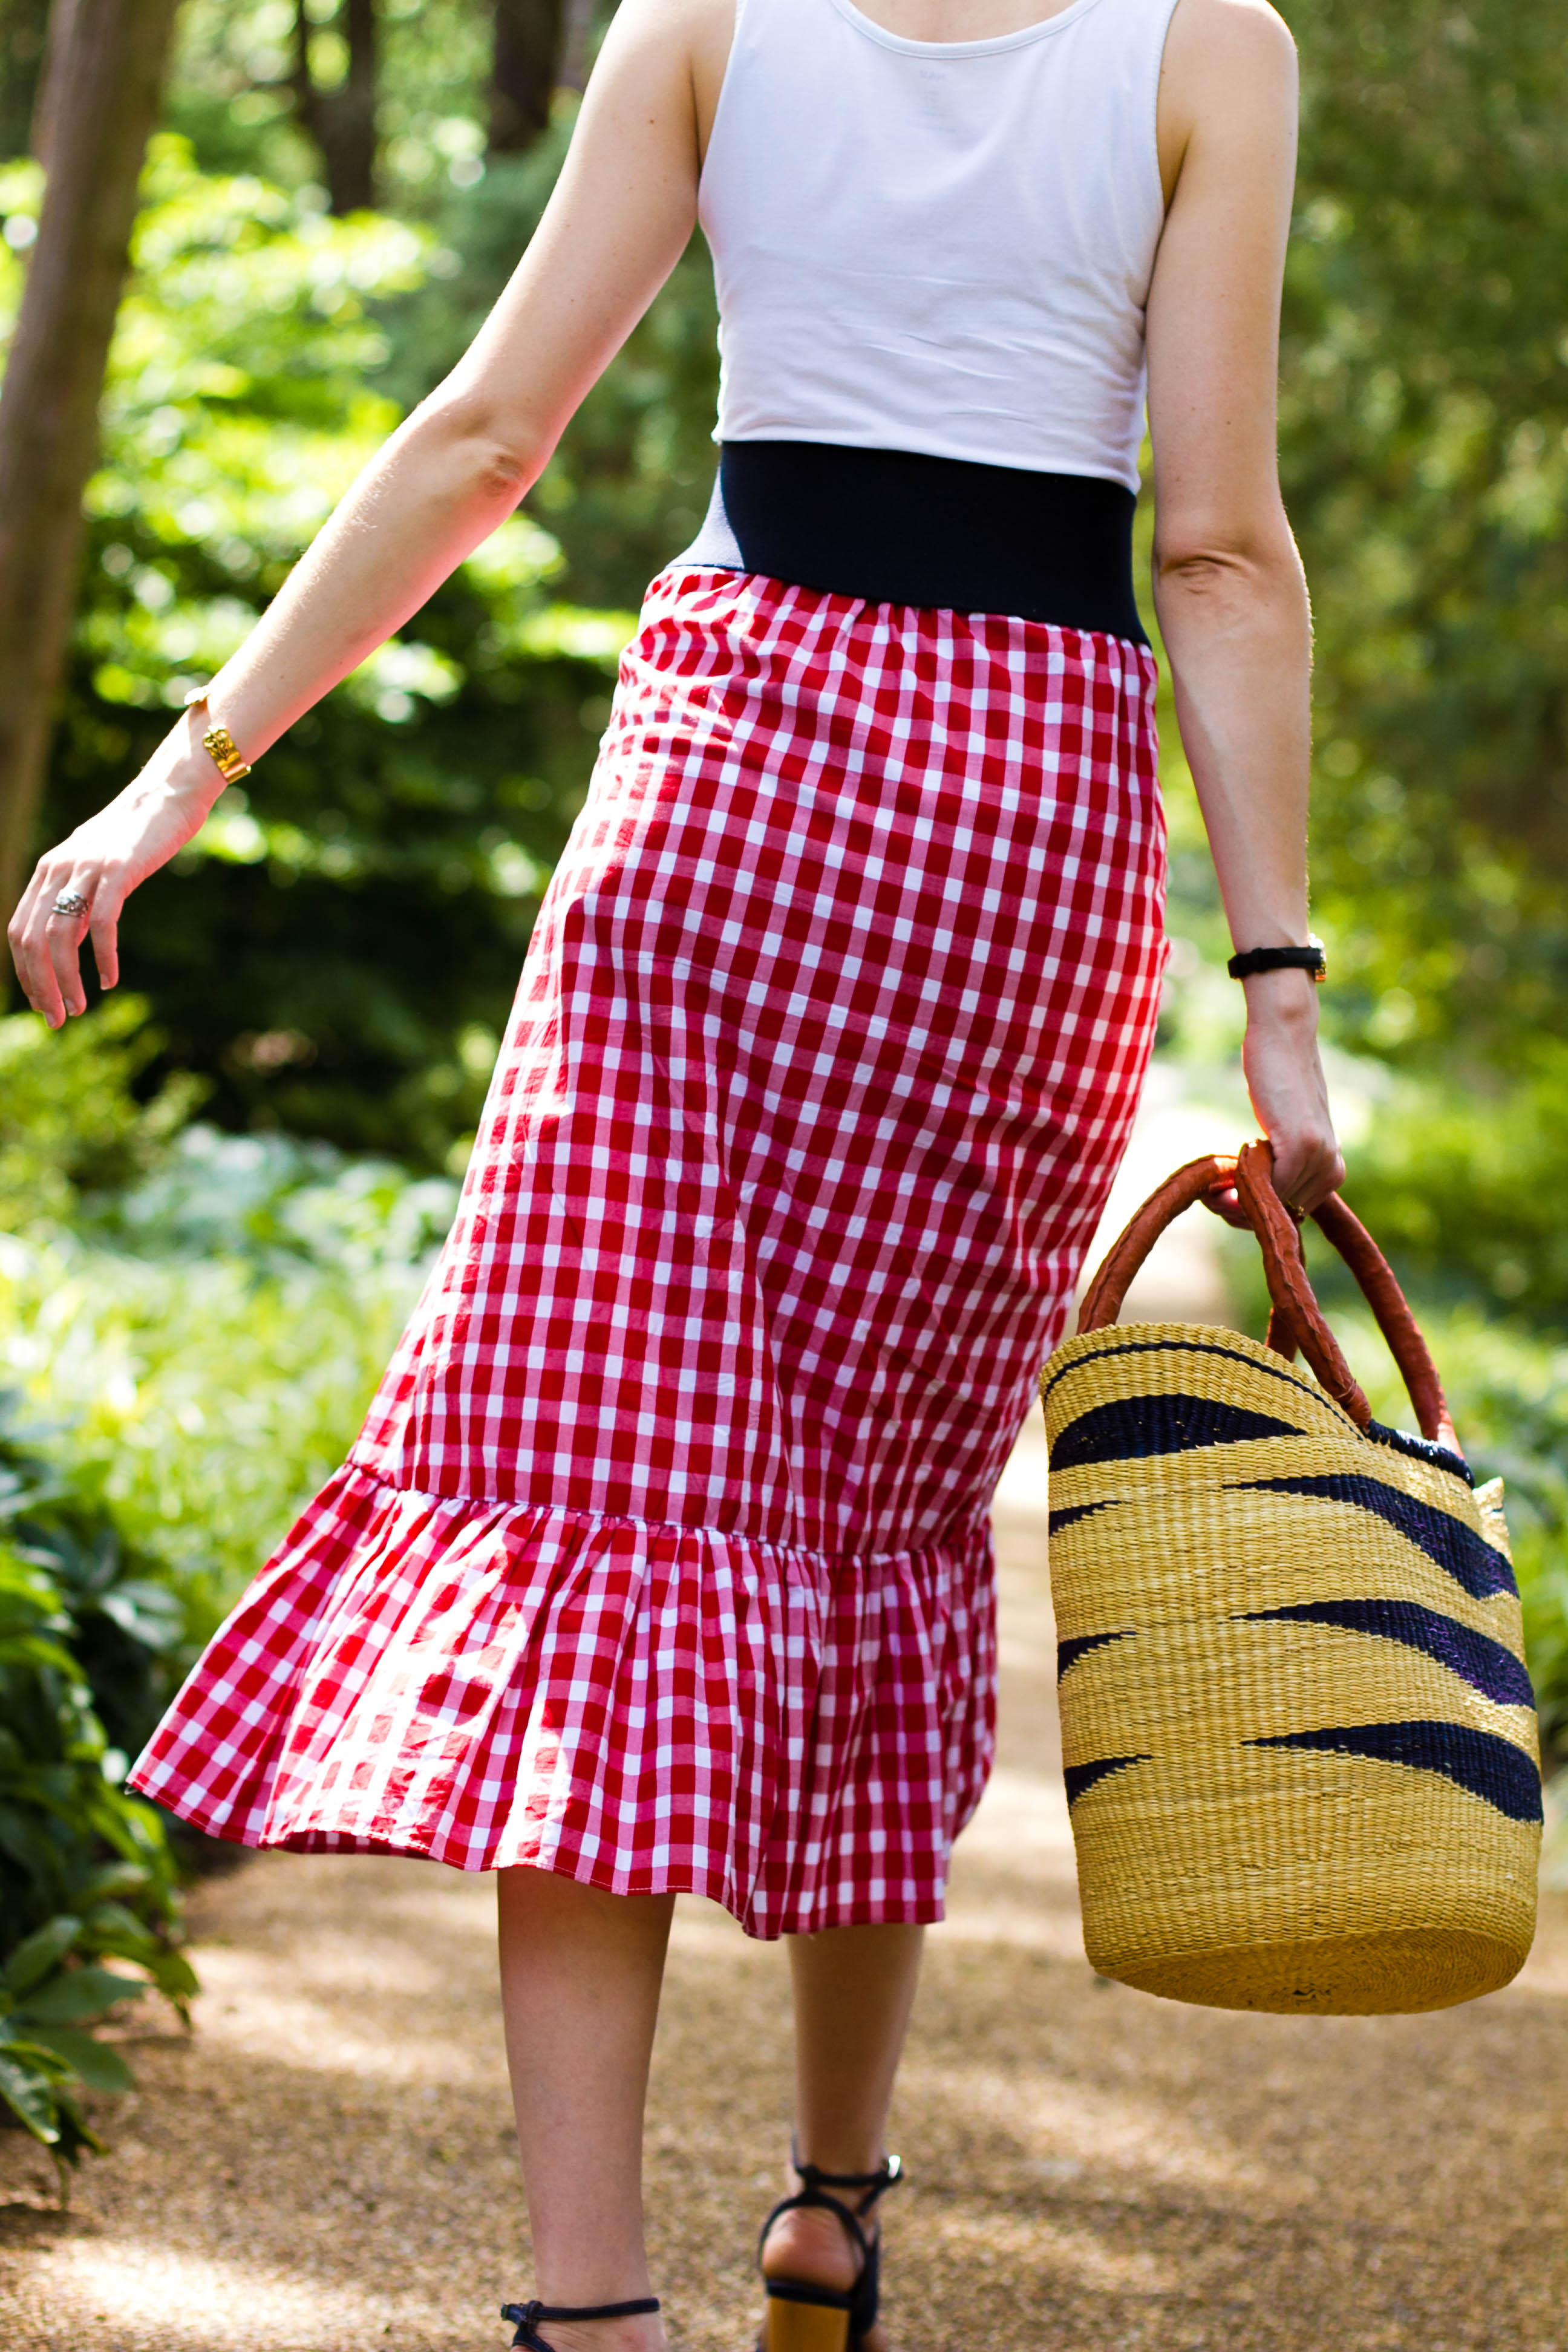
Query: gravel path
x=328 y=2164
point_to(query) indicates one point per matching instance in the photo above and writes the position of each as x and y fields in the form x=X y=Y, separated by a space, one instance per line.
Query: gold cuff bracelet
x=220 y=743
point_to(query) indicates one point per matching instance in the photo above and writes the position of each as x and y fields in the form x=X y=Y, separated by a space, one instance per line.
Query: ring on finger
x=71 y=905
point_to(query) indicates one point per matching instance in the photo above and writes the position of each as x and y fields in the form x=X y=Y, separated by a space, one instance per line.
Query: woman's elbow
x=1218 y=559
x=498 y=453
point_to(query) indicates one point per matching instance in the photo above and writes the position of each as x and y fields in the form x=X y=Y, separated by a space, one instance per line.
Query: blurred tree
x=22 y=27
x=335 y=58
x=525 y=70
x=96 y=109
x=1424 y=446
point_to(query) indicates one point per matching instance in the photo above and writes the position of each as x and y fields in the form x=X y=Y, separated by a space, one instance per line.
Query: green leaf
x=112 y=1878
x=77 y=1995
x=33 y=1650
x=76 y=2133
x=41 y=1954
x=31 y=2094
x=174 y=1977
x=96 y=2065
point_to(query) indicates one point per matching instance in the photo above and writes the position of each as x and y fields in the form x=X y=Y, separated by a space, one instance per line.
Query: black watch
x=1310 y=958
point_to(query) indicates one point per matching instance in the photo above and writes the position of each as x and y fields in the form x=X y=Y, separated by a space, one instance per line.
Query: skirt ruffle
x=642 y=1708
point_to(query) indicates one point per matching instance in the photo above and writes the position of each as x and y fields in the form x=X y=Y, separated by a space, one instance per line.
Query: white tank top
x=939 y=247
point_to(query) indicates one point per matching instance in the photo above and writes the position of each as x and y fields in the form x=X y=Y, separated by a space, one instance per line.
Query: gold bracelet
x=219 y=742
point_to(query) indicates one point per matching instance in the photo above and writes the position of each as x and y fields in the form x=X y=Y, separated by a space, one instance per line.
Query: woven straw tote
x=1301 y=1742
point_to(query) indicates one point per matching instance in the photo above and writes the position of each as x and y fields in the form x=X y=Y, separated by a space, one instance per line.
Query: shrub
x=1463 y=1183
x=70 y=1124
x=190 y=1323
x=86 y=1871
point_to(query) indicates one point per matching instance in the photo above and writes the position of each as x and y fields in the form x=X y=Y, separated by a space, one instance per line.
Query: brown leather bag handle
x=1296 y=1319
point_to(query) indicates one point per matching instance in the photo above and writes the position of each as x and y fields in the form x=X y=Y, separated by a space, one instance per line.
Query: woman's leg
x=580 y=1973
x=854 y=1990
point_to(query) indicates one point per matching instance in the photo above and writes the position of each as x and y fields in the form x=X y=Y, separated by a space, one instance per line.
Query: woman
x=663 y=1560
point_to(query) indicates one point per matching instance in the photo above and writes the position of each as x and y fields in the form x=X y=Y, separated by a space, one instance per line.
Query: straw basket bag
x=1301 y=1742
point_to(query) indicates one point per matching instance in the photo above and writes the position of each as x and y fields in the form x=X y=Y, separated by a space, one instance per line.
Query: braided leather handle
x=1296 y=1320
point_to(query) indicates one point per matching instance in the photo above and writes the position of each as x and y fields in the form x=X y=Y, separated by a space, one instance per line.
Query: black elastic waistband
x=901 y=529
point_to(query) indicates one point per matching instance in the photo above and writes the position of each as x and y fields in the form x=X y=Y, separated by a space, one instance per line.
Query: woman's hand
x=1289 y=1096
x=103 y=863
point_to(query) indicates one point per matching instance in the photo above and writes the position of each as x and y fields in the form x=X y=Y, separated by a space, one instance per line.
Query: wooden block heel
x=795 y=2321
x=800 y=2316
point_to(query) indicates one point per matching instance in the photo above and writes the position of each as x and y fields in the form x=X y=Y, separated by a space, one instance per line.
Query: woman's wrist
x=1283 y=999
x=182 y=771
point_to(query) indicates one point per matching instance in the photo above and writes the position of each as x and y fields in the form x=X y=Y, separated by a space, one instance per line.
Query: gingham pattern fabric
x=663 y=1560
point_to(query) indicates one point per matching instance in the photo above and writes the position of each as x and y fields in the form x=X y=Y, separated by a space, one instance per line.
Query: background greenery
x=217 y=1197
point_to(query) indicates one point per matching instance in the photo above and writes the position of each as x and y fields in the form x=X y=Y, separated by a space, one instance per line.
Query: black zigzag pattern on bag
x=1131 y=1428
x=1070 y=1653
x=1421 y=1449
x=1071 y=1513
x=1081 y=1777
x=1480 y=1660
x=1456 y=1548
x=1489 y=1767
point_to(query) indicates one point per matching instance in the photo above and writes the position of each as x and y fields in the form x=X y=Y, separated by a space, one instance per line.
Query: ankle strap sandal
x=802 y=2316
x=528 y=2315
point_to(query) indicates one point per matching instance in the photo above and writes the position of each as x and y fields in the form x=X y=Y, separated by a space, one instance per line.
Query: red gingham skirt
x=663 y=1560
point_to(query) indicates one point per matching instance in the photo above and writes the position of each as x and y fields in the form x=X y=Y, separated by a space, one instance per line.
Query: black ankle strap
x=887 y=2175
x=528 y=2315
x=817 y=2190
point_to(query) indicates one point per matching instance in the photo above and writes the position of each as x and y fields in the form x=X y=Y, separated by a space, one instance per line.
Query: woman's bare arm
x=1229 y=586
x=617 y=223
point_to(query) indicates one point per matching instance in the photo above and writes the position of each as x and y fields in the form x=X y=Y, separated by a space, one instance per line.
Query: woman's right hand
x=1285 y=1081
x=102 y=862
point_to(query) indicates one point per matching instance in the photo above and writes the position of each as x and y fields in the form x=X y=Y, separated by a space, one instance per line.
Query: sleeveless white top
x=940 y=246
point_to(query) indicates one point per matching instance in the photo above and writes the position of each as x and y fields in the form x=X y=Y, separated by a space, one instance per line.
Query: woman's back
x=938 y=247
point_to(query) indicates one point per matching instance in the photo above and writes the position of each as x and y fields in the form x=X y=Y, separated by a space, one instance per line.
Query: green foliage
x=205 y=1343
x=87 y=1640
x=191 y=1322
x=230 y=92
x=338 y=950
x=70 y=1123
x=1425 y=448
x=1463 y=1184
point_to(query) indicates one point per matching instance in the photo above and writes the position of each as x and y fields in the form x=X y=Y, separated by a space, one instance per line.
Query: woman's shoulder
x=686 y=41
x=1240 y=36
x=1228 y=63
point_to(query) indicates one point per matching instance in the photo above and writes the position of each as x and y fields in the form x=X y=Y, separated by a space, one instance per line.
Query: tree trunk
x=576 y=42
x=527 y=60
x=99 y=103
x=343 y=120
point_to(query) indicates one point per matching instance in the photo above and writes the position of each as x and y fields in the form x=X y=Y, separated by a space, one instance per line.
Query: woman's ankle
x=643 y=2334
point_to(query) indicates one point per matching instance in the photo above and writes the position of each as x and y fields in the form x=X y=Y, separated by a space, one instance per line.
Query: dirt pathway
x=328 y=2163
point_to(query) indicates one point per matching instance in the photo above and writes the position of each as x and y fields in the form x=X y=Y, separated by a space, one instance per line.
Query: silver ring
x=70 y=903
